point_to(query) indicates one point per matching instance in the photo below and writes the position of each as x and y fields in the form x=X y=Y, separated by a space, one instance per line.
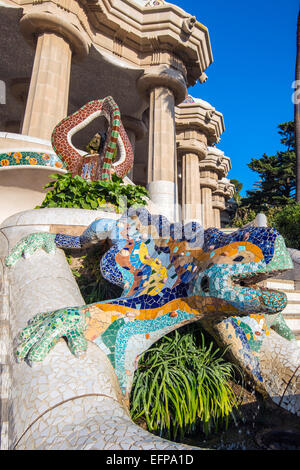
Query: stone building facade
x=59 y=54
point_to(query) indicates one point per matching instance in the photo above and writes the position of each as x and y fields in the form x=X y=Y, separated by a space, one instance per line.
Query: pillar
x=136 y=130
x=165 y=88
x=191 y=195
x=57 y=41
x=208 y=183
x=47 y=102
x=218 y=204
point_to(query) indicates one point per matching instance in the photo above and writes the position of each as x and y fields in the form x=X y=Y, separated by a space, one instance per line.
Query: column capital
x=201 y=116
x=137 y=126
x=221 y=189
x=33 y=24
x=218 y=202
x=216 y=161
x=208 y=182
x=164 y=76
x=229 y=188
x=191 y=146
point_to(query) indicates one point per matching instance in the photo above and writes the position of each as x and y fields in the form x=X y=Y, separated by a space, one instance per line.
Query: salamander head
x=232 y=265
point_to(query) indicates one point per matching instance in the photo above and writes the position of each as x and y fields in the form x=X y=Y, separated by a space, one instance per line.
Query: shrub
x=180 y=385
x=287 y=221
x=85 y=268
x=75 y=192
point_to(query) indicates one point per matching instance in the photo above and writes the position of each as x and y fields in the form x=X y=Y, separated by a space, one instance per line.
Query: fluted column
x=191 y=194
x=165 y=87
x=208 y=183
x=213 y=168
x=191 y=151
x=218 y=204
x=47 y=101
x=136 y=130
x=198 y=125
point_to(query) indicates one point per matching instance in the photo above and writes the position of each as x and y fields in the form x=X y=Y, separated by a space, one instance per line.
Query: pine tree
x=277 y=173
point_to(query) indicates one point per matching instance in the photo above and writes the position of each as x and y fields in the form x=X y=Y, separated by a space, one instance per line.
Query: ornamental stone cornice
x=37 y=22
x=164 y=76
x=139 y=35
x=185 y=146
x=229 y=188
x=222 y=188
x=208 y=182
x=218 y=202
x=202 y=116
x=216 y=160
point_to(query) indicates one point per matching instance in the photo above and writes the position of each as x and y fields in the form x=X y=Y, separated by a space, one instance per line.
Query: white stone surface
x=63 y=402
x=163 y=195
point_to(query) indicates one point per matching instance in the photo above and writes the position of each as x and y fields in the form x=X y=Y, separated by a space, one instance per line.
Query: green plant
x=85 y=268
x=287 y=221
x=181 y=383
x=243 y=216
x=74 y=191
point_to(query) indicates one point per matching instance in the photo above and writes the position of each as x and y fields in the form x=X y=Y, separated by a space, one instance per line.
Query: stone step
x=297 y=334
x=292 y=316
x=294 y=325
x=280 y=284
x=292 y=296
x=293 y=306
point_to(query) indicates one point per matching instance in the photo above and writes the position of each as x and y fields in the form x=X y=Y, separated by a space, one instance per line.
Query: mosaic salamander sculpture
x=94 y=167
x=172 y=275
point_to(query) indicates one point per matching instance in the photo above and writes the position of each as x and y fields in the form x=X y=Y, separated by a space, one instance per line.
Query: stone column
x=47 y=101
x=165 y=88
x=198 y=125
x=136 y=130
x=208 y=183
x=218 y=203
x=191 y=151
x=214 y=167
x=191 y=194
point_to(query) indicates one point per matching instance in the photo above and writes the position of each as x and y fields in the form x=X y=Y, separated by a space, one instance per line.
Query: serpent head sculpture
x=171 y=275
x=94 y=167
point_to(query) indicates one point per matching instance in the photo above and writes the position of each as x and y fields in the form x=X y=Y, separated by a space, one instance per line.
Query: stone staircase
x=291 y=312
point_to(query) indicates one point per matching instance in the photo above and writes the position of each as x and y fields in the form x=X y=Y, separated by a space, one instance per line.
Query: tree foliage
x=287 y=221
x=277 y=173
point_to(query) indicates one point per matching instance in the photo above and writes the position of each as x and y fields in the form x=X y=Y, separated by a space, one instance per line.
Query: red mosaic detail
x=75 y=162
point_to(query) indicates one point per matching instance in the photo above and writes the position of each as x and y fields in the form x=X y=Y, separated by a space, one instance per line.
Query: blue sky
x=250 y=81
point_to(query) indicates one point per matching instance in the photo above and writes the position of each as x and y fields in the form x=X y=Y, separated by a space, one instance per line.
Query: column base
x=164 y=195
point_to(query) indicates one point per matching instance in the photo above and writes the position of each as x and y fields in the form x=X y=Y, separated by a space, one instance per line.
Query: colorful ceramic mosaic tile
x=9 y=159
x=171 y=275
x=94 y=167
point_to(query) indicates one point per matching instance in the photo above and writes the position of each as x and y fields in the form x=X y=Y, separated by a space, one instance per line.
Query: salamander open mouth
x=252 y=279
x=271 y=300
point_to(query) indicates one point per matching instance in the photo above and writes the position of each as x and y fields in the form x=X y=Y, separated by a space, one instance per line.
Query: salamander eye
x=238 y=258
x=205 y=284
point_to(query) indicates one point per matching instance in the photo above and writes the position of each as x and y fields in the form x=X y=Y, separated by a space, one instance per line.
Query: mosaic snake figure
x=173 y=275
x=92 y=166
